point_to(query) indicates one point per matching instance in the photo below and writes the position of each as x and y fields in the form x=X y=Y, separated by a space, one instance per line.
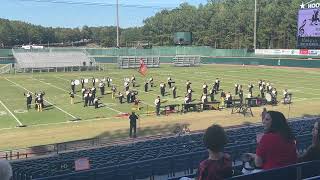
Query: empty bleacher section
x=6 y=68
x=52 y=60
x=186 y=60
x=165 y=158
x=127 y=62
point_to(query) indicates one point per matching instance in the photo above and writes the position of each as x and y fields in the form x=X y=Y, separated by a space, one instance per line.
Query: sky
x=77 y=13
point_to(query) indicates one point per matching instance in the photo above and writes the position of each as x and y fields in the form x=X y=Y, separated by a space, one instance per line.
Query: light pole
x=255 y=25
x=118 y=24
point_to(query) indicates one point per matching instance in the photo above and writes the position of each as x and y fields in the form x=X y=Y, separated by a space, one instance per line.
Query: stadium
x=156 y=104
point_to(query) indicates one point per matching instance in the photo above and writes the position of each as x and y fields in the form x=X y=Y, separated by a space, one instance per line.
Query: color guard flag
x=143 y=68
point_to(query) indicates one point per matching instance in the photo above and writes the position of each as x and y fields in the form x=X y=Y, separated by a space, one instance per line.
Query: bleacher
x=186 y=60
x=49 y=59
x=166 y=158
x=130 y=62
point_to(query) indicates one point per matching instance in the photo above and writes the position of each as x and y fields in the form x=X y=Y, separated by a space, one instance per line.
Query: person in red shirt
x=277 y=147
x=219 y=165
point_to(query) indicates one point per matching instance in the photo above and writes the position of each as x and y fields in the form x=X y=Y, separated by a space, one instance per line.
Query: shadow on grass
x=168 y=129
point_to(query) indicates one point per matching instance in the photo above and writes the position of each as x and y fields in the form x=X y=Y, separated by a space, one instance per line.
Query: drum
x=86 y=80
x=97 y=80
x=77 y=82
x=268 y=97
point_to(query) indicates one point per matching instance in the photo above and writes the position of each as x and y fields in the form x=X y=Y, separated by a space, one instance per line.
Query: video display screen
x=308 y=23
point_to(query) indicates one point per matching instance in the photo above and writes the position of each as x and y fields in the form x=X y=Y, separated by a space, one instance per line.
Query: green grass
x=303 y=83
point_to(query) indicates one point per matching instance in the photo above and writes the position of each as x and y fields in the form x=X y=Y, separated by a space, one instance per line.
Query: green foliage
x=219 y=23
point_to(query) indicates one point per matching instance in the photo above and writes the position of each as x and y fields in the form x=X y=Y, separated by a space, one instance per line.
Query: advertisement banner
x=286 y=52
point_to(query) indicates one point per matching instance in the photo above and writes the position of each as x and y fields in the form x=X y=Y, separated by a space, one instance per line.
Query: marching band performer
x=229 y=99
x=263 y=85
x=189 y=93
x=29 y=100
x=212 y=92
x=96 y=102
x=236 y=89
x=86 y=99
x=157 y=102
x=73 y=85
x=146 y=86
x=170 y=82
x=133 y=81
x=108 y=81
x=250 y=89
x=120 y=96
x=218 y=84
x=113 y=91
x=93 y=82
x=285 y=93
x=71 y=97
x=262 y=91
x=101 y=86
x=174 y=92
x=274 y=95
x=151 y=82
x=128 y=96
x=126 y=85
x=204 y=98
x=241 y=94
x=82 y=83
x=205 y=88
x=162 y=89
x=93 y=91
x=90 y=98
x=187 y=99
x=83 y=91
x=260 y=83
x=188 y=83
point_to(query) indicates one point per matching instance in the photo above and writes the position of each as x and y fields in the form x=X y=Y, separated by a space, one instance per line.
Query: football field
x=59 y=113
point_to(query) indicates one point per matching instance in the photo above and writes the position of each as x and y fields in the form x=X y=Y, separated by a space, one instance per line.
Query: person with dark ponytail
x=313 y=151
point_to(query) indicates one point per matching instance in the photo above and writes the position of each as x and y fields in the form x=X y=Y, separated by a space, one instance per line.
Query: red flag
x=143 y=68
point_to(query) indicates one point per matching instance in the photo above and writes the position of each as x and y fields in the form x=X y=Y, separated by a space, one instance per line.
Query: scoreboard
x=308 y=32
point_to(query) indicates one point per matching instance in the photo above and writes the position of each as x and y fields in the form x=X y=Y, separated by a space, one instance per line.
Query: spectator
x=313 y=152
x=218 y=165
x=276 y=148
x=5 y=170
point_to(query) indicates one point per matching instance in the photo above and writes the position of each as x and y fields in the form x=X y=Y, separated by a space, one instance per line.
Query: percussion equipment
x=86 y=80
x=77 y=82
x=268 y=97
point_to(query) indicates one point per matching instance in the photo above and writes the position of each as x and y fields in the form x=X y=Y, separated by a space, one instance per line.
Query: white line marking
x=11 y=113
x=67 y=122
x=75 y=94
x=74 y=117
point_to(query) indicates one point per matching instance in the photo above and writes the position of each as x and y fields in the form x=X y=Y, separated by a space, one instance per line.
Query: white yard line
x=20 y=124
x=74 y=117
x=75 y=94
x=67 y=122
